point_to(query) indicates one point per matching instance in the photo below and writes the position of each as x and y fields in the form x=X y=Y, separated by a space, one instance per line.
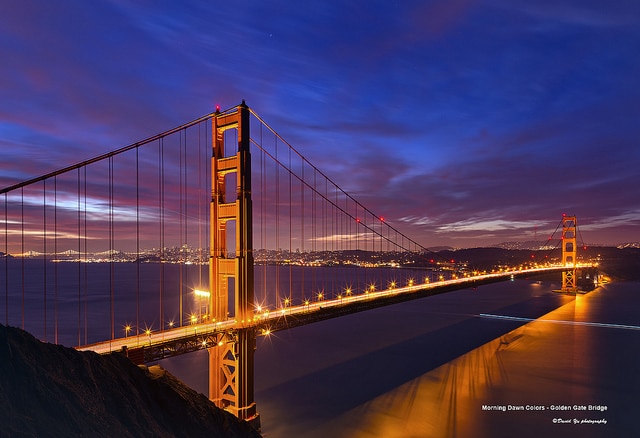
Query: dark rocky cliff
x=51 y=390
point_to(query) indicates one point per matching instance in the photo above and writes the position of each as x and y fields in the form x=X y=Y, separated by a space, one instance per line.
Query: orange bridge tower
x=569 y=253
x=231 y=364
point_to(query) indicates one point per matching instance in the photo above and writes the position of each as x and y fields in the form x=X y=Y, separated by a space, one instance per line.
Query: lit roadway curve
x=170 y=342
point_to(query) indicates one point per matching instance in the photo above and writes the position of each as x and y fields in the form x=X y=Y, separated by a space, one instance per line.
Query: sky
x=464 y=123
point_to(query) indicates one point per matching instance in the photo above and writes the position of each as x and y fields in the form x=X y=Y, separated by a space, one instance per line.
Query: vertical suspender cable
x=138 y=236
x=6 y=261
x=185 y=215
x=44 y=251
x=22 y=249
x=181 y=212
x=263 y=212
x=324 y=232
x=161 y=228
x=111 y=248
x=203 y=196
x=208 y=188
x=313 y=229
x=200 y=196
x=277 y=205
x=55 y=265
x=187 y=250
x=302 y=227
x=290 y=237
x=336 y=222
x=79 y=270
x=85 y=258
x=357 y=244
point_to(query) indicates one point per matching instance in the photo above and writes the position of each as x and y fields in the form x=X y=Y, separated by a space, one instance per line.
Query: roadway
x=156 y=345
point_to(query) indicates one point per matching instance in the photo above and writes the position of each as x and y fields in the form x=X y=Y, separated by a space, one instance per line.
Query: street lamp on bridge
x=202 y=301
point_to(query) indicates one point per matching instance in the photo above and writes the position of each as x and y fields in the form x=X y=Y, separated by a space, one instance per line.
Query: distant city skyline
x=463 y=124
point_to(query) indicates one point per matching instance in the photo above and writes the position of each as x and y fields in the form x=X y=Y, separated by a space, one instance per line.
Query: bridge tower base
x=231 y=363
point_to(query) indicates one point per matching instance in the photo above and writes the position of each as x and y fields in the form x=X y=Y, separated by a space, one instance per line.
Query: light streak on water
x=557 y=321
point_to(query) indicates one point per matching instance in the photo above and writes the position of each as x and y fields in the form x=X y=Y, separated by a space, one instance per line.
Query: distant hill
x=629 y=245
x=48 y=390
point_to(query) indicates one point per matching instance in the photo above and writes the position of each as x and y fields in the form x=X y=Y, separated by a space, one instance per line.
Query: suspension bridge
x=205 y=237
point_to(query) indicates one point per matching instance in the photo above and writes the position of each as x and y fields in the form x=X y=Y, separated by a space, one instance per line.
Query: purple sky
x=463 y=122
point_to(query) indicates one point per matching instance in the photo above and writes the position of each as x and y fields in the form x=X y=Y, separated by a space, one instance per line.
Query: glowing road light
x=127 y=329
x=320 y=296
x=392 y=285
x=204 y=343
x=348 y=291
x=266 y=332
x=201 y=293
x=193 y=318
x=410 y=282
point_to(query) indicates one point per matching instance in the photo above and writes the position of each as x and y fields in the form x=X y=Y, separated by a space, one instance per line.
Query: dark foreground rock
x=48 y=390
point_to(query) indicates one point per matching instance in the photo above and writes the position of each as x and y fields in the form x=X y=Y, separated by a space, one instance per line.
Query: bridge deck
x=151 y=346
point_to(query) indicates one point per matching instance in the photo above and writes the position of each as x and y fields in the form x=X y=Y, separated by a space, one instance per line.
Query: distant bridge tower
x=231 y=364
x=569 y=252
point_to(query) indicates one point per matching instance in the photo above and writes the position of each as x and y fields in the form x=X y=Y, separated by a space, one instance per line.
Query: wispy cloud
x=444 y=117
